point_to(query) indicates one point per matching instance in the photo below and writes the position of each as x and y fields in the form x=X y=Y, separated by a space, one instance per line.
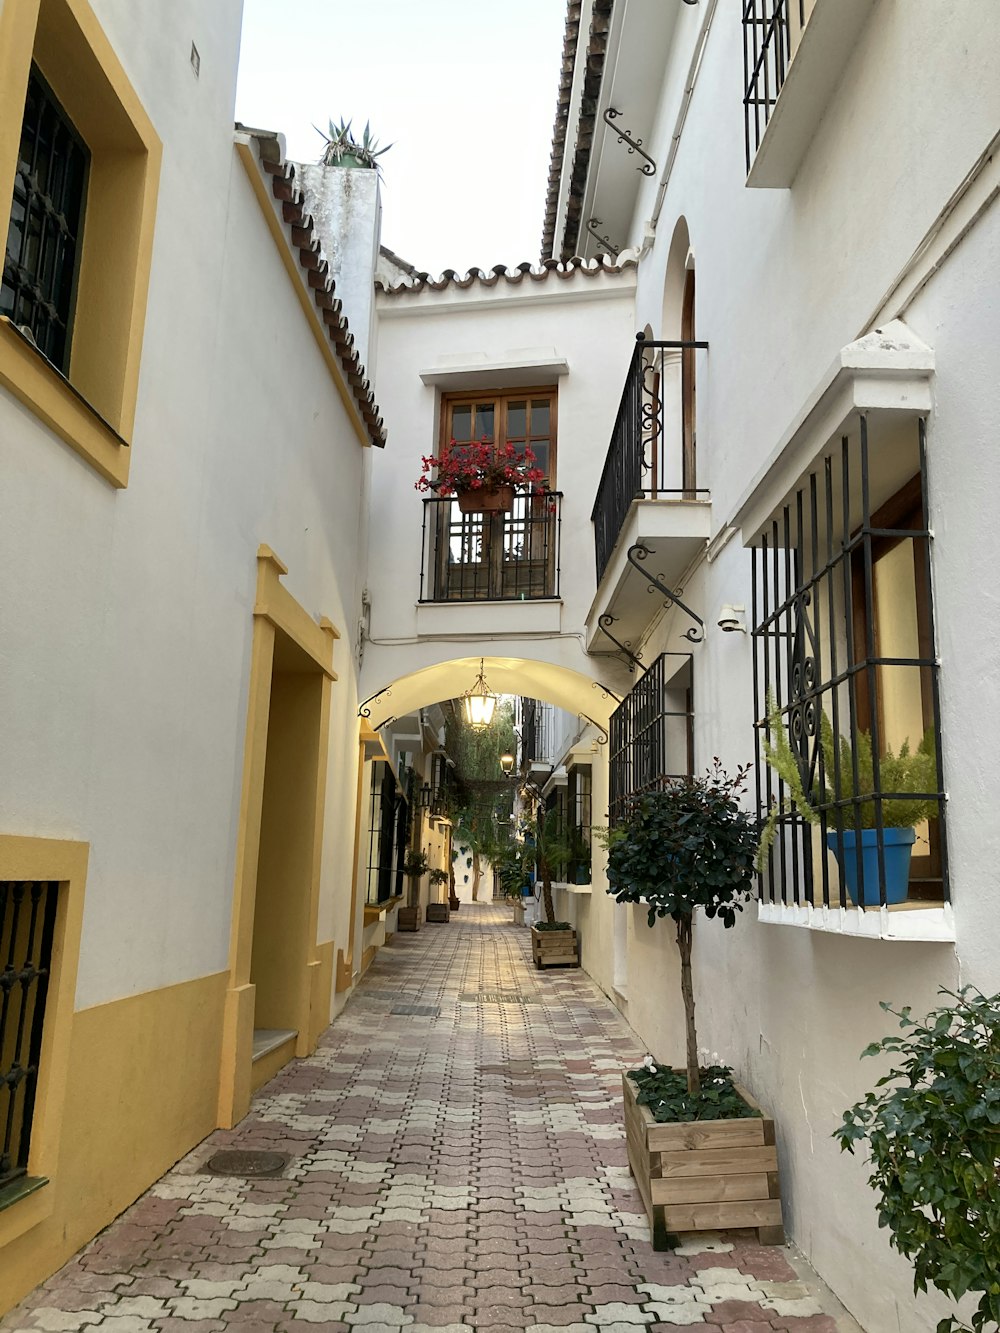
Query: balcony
x=648 y=494
x=794 y=55
x=512 y=557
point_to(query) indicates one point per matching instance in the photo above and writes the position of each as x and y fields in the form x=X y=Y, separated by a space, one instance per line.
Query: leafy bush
x=415 y=864
x=688 y=846
x=934 y=1137
x=439 y=876
x=665 y=1092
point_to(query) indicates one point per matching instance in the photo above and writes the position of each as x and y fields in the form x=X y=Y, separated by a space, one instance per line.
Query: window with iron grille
x=580 y=789
x=382 y=833
x=844 y=649
x=27 y=924
x=652 y=733
x=772 y=30
x=41 y=259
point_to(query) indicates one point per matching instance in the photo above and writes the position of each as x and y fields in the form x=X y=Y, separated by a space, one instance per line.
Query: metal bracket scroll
x=634 y=145
x=364 y=709
x=612 y=249
x=602 y=738
x=641 y=552
x=605 y=622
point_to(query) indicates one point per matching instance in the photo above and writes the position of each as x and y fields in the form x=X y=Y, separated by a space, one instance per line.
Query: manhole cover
x=247 y=1162
x=426 y=1010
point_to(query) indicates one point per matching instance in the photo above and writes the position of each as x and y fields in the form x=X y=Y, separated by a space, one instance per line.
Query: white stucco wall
x=785 y=278
x=128 y=614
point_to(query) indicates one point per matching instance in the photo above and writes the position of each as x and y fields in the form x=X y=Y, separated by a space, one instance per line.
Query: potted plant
x=415 y=866
x=438 y=911
x=933 y=1132
x=553 y=943
x=481 y=475
x=343 y=150
x=701 y=1151
x=901 y=773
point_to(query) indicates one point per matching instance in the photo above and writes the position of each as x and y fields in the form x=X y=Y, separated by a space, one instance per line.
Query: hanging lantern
x=507 y=763
x=479 y=704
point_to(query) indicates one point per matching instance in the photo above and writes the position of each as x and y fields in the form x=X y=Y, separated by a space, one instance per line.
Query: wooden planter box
x=555 y=948
x=518 y=913
x=704 y=1175
x=437 y=912
x=409 y=918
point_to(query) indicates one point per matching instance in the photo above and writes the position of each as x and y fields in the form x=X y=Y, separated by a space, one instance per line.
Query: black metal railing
x=535 y=726
x=653 y=445
x=767 y=52
x=493 y=557
x=27 y=925
x=845 y=674
x=651 y=733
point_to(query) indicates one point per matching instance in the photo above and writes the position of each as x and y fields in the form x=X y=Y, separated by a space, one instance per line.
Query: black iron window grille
x=41 y=259
x=652 y=733
x=652 y=454
x=771 y=33
x=580 y=797
x=844 y=650
x=505 y=557
x=27 y=926
x=382 y=833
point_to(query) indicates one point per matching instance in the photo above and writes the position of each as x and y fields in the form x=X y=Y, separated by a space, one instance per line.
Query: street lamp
x=507 y=763
x=479 y=703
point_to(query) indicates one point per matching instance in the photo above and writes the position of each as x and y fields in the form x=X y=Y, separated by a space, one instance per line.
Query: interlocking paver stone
x=463 y=1173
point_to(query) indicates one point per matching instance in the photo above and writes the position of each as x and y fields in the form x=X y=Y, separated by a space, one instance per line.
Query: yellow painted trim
x=127 y=1116
x=70 y=47
x=47 y=858
x=276 y=226
x=345 y=961
x=274 y=610
x=264 y=1069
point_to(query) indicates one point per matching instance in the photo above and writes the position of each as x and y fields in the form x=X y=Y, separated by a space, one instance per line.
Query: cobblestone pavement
x=457 y=1162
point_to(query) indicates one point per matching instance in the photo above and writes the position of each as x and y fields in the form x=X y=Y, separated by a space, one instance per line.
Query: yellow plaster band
x=141 y=1089
x=276 y=227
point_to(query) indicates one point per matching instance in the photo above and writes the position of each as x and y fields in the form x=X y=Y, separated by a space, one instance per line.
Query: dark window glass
x=42 y=253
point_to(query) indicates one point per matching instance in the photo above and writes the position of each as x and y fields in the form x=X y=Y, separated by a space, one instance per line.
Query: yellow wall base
x=264 y=1069
x=141 y=1091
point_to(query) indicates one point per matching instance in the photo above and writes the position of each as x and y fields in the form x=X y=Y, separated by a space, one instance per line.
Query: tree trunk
x=687 y=991
x=476 y=875
x=550 y=911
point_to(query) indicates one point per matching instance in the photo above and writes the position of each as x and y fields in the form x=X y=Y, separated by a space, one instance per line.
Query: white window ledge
x=474 y=620
x=905 y=921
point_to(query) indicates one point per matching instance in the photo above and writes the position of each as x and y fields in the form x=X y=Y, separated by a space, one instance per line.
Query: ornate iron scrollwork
x=634 y=145
x=641 y=552
x=602 y=731
x=612 y=249
x=605 y=622
x=365 y=708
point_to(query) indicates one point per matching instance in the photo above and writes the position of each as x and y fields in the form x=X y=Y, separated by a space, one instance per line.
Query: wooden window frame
x=501 y=400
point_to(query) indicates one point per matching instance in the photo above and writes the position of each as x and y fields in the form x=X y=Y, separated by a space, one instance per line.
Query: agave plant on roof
x=344 y=150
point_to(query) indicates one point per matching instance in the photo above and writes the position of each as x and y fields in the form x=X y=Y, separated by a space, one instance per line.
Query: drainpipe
x=675 y=138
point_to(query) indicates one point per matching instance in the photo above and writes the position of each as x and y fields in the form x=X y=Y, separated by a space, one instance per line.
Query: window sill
x=22 y=1206
x=32 y=378
x=474 y=619
x=816 y=68
x=581 y=890
x=933 y=923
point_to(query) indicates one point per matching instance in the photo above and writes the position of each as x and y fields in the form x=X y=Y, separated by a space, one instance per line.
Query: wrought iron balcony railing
x=652 y=450
x=769 y=31
x=512 y=557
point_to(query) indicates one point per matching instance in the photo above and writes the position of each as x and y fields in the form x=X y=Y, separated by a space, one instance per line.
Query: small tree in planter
x=438 y=911
x=553 y=942
x=934 y=1137
x=690 y=845
x=415 y=866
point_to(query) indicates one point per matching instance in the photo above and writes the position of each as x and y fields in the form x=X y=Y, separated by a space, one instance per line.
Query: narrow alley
x=455 y=1160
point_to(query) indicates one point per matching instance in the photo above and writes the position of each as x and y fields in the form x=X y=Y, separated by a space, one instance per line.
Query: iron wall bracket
x=642 y=552
x=634 y=145
x=605 y=622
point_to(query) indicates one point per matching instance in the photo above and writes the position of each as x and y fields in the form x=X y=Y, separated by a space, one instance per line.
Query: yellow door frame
x=275 y=609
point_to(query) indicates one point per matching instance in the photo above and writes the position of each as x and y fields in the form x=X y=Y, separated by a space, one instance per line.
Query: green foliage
x=415 y=864
x=690 y=845
x=513 y=865
x=665 y=1092
x=343 y=149
x=899 y=773
x=439 y=876
x=553 y=925
x=934 y=1137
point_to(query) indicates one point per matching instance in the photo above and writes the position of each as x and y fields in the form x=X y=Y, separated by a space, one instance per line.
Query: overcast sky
x=465 y=90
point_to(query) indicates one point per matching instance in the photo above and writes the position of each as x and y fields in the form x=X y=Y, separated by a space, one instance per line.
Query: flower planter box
x=409 y=918
x=704 y=1175
x=500 y=499
x=454 y=904
x=438 y=912
x=555 y=948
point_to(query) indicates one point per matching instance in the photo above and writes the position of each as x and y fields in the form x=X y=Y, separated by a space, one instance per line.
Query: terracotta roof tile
x=593 y=74
x=548 y=268
x=303 y=238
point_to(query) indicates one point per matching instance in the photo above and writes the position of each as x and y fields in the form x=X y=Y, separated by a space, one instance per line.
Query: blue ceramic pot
x=897 y=844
